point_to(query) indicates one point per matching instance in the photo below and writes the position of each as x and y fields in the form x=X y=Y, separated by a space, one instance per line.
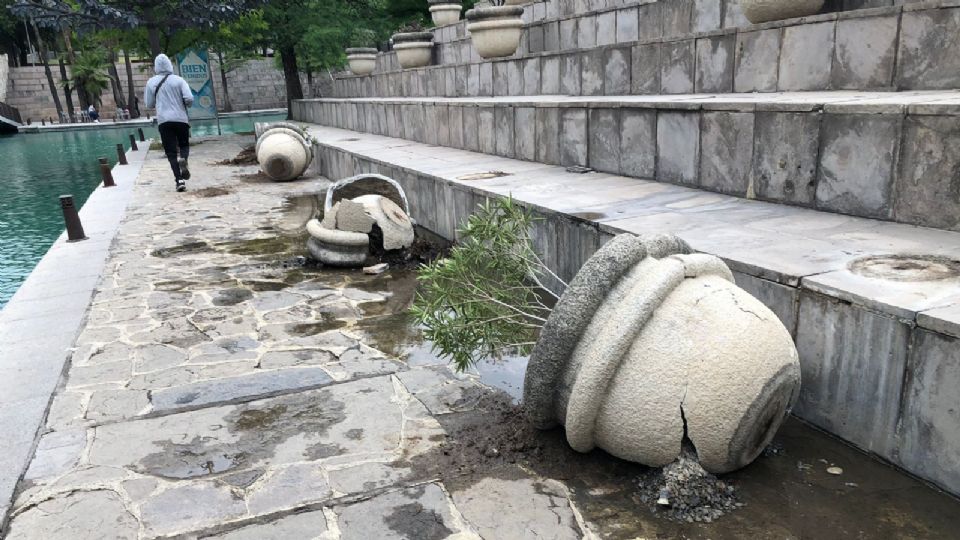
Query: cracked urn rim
x=651 y=344
x=761 y=11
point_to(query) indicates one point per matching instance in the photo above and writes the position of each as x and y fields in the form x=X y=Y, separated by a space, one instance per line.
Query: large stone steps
x=879 y=342
x=888 y=156
x=910 y=47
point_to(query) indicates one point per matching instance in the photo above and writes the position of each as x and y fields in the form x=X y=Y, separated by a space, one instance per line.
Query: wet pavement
x=222 y=388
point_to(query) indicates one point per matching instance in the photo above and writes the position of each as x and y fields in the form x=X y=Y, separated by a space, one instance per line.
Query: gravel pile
x=683 y=491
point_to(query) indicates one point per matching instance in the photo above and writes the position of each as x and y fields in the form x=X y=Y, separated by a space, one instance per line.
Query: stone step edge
x=932 y=319
x=917 y=102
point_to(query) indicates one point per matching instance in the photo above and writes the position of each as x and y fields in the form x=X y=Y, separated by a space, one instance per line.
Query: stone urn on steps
x=414 y=49
x=761 y=11
x=444 y=12
x=495 y=31
x=362 y=60
x=651 y=345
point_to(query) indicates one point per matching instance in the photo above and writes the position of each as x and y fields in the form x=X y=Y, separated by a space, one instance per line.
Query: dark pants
x=175 y=136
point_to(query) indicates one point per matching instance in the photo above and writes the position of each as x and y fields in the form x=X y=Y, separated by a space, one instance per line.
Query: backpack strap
x=156 y=93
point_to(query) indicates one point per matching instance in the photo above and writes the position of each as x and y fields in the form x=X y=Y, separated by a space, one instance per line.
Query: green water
x=36 y=168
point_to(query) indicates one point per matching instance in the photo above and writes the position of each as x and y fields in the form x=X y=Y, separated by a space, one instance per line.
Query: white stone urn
x=652 y=344
x=414 y=49
x=495 y=31
x=444 y=12
x=362 y=60
x=761 y=11
x=284 y=151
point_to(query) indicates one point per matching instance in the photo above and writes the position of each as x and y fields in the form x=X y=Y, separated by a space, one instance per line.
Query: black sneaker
x=184 y=171
x=181 y=186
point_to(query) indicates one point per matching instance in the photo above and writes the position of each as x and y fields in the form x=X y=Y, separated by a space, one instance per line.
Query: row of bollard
x=71 y=215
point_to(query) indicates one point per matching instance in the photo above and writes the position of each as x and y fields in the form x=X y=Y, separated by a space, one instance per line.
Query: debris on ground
x=684 y=491
x=376 y=269
x=247 y=156
x=836 y=471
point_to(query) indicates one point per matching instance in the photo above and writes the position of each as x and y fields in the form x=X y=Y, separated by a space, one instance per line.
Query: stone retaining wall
x=4 y=75
x=796 y=153
x=258 y=84
x=620 y=52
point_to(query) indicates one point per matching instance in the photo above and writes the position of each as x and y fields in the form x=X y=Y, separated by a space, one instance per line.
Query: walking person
x=93 y=114
x=171 y=97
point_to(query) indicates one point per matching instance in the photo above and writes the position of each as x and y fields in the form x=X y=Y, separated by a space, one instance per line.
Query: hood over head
x=162 y=65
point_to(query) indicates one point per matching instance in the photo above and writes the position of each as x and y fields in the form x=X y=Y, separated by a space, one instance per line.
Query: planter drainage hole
x=482 y=176
x=907 y=267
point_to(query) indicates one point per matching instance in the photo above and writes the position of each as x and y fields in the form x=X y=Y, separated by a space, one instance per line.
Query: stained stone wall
x=257 y=84
x=879 y=161
x=651 y=49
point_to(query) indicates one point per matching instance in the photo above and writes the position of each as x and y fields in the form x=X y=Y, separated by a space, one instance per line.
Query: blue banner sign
x=195 y=69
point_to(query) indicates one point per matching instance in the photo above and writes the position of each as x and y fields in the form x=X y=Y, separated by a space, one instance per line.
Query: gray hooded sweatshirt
x=175 y=95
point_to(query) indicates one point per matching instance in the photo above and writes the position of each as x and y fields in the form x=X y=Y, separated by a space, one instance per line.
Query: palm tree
x=90 y=73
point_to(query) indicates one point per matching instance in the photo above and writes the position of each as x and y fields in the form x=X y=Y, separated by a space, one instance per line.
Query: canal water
x=36 y=168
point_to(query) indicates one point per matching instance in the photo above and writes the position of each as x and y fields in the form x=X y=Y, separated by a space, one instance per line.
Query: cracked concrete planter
x=761 y=11
x=495 y=31
x=445 y=12
x=362 y=60
x=414 y=49
x=284 y=152
x=652 y=343
x=337 y=248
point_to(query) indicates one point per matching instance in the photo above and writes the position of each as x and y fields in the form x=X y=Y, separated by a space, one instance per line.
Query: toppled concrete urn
x=343 y=237
x=650 y=344
x=284 y=152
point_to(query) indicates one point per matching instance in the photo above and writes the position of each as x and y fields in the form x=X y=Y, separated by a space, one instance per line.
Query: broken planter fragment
x=652 y=343
x=343 y=237
x=284 y=152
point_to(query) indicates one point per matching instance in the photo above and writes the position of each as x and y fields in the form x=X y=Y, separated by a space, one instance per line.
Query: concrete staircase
x=839 y=208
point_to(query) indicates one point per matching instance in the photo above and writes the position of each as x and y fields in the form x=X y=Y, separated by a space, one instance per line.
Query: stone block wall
x=883 y=162
x=640 y=50
x=257 y=84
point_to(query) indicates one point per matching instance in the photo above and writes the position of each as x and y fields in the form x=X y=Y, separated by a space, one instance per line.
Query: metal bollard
x=105 y=173
x=121 y=154
x=72 y=219
x=133 y=143
x=140 y=132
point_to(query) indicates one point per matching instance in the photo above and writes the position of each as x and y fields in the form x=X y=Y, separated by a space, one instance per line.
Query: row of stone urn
x=496 y=30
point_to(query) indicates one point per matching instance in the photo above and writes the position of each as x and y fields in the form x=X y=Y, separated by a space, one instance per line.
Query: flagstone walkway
x=222 y=388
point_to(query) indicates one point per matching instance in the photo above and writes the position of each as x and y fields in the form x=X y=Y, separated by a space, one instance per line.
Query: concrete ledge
x=864 y=154
x=880 y=49
x=39 y=324
x=868 y=367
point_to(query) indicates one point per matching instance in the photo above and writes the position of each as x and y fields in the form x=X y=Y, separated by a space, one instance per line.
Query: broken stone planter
x=414 y=49
x=761 y=11
x=284 y=152
x=495 y=31
x=444 y=12
x=362 y=60
x=337 y=248
x=651 y=344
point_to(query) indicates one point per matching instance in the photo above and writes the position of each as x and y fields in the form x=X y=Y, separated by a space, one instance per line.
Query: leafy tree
x=91 y=72
x=160 y=18
x=487 y=298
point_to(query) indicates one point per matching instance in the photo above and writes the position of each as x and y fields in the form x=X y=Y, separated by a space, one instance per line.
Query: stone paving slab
x=40 y=322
